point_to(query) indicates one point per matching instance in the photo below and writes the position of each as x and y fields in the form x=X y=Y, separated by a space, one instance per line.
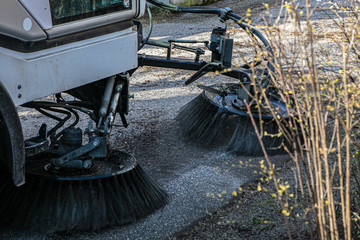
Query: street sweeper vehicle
x=61 y=180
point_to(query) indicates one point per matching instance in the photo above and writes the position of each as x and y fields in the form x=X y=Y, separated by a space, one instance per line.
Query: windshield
x=64 y=11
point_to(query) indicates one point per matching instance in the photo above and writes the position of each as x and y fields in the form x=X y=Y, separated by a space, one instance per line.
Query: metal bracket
x=38 y=144
x=202 y=71
x=64 y=161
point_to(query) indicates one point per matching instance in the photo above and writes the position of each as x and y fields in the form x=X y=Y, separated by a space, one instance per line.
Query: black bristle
x=206 y=123
x=57 y=205
x=245 y=141
x=201 y=121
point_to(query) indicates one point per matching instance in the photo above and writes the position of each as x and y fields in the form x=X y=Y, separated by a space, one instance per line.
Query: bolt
x=47 y=167
x=87 y=164
x=96 y=143
x=19 y=86
x=19 y=95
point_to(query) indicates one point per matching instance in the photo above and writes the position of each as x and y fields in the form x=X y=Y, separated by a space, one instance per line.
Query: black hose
x=41 y=106
x=253 y=30
x=48 y=114
x=57 y=136
x=150 y=27
x=172 y=7
x=60 y=123
x=224 y=15
x=256 y=33
x=205 y=10
x=212 y=10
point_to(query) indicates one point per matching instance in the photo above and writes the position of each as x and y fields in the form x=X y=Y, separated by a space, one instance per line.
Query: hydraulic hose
x=150 y=27
x=255 y=32
x=197 y=9
x=224 y=15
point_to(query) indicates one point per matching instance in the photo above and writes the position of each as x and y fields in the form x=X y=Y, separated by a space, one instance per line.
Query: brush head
x=244 y=140
x=202 y=121
x=115 y=192
x=219 y=118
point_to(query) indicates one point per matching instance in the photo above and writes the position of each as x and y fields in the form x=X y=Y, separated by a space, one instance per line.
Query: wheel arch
x=12 y=150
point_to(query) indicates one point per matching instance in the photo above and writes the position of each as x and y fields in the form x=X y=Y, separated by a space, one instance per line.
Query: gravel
x=187 y=172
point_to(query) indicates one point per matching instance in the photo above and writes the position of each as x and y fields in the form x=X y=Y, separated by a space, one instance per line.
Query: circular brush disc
x=217 y=117
x=114 y=192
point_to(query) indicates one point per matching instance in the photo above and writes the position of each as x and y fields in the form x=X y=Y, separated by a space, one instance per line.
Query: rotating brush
x=116 y=192
x=215 y=118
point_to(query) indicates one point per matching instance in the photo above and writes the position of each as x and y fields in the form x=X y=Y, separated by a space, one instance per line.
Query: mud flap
x=12 y=150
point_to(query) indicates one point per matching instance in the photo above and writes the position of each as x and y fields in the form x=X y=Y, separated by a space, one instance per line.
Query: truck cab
x=53 y=46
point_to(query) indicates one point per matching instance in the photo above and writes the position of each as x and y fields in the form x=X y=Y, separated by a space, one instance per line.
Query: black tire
x=5 y=154
x=12 y=149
